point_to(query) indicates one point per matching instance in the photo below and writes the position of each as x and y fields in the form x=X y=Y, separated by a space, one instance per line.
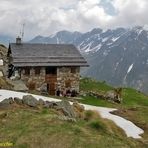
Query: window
x=27 y=71
x=73 y=69
x=51 y=70
x=37 y=70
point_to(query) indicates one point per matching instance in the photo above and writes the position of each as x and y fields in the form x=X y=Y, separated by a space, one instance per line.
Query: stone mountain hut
x=46 y=67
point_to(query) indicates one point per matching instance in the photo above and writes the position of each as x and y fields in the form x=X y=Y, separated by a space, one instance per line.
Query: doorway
x=51 y=88
x=51 y=79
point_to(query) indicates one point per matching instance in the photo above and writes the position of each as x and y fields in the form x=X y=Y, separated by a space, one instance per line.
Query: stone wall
x=38 y=79
x=65 y=76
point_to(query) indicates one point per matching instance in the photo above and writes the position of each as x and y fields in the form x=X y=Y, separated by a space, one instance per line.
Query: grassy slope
x=134 y=106
x=42 y=128
x=31 y=128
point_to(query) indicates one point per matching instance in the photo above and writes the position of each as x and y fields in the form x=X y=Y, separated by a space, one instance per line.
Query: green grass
x=87 y=84
x=131 y=97
x=41 y=128
x=96 y=102
x=134 y=106
x=30 y=128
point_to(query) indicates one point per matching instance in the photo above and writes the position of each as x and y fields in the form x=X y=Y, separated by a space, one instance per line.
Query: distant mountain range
x=118 y=56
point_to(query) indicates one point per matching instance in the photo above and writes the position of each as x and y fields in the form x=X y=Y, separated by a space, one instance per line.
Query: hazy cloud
x=45 y=17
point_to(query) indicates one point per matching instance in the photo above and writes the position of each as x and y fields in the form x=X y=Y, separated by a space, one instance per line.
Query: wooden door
x=51 y=84
x=52 y=89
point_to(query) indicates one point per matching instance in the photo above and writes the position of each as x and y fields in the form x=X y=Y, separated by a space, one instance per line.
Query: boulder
x=30 y=101
x=67 y=109
x=7 y=101
x=41 y=102
x=19 y=85
x=49 y=104
x=110 y=95
x=113 y=96
x=18 y=100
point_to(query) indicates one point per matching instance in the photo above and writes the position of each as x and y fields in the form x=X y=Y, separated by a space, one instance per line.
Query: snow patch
x=97 y=48
x=87 y=47
x=115 y=39
x=116 y=66
x=105 y=39
x=128 y=71
x=130 y=68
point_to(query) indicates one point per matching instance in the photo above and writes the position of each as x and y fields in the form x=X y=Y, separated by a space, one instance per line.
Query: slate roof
x=27 y=54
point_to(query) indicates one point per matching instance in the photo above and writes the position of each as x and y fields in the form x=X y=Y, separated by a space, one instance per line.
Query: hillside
x=33 y=128
x=134 y=106
x=46 y=127
x=117 y=56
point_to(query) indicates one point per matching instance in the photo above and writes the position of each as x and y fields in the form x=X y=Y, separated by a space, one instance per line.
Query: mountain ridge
x=118 y=56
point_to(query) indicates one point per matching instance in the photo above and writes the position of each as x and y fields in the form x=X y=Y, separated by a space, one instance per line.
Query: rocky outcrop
x=67 y=109
x=30 y=101
x=113 y=95
x=18 y=100
x=6 y=103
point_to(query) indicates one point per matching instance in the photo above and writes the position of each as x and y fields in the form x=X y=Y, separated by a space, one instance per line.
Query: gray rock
x=41 y=102
x=66 y=108
x=18 y=100
x=8 y=101
x=49 y=104
x=30 y=101
x=19 y=85
x=110 y=95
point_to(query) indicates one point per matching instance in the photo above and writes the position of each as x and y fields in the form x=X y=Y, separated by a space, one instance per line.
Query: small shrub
x=77 y=130
x=91 y=115
x=98 y=125
x=88 y=115
x=45 y=111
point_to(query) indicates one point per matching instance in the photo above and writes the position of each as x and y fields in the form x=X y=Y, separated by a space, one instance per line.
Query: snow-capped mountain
x=58 y=38
x=117 y=56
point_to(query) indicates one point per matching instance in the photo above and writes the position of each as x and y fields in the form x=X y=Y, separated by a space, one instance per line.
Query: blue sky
x=108 y=7
x=45 y=17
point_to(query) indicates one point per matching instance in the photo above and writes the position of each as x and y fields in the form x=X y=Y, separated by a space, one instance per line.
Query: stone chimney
x=18 y=40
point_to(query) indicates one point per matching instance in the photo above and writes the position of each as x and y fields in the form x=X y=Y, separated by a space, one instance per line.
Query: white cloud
x=45 y=17
x=130 y=12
